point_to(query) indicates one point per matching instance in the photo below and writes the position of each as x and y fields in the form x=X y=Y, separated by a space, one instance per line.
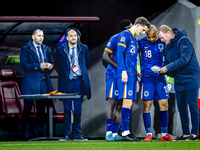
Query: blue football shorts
x=111 y=88
x=127 y=90
x=154 y=88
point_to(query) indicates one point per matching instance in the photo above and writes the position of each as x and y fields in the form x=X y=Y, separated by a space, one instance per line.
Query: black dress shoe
x=181 y=138
x=130 y=137
x=191 y=138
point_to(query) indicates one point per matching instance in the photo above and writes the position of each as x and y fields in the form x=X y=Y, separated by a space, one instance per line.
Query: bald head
x=151 y=34
x=151 y=30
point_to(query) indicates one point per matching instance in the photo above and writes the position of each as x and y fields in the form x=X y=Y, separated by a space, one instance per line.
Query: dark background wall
x=110 y=13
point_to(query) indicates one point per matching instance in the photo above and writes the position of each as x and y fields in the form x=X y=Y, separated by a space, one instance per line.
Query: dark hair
x=142 y=21
x=124 y=24
x=35 y=30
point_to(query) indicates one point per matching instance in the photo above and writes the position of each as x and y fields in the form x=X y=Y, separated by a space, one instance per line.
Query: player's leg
x=163 y=104
x=110 y=96
x=127 y=92
x=162 y=96
x=117 y=120
x=156 y=124
x=147 y=104
x=147 y=94
x=116 y=113
x=164 y=120
x=109 y=115
x=125 y=116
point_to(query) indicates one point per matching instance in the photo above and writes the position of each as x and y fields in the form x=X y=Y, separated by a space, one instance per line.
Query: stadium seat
x=57 y=117
x=11 y=105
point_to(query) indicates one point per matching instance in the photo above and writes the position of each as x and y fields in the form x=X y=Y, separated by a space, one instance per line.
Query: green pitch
x=100 y=145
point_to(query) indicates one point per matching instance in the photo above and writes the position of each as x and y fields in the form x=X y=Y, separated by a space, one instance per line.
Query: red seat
x=11 y=105
x=57 y=117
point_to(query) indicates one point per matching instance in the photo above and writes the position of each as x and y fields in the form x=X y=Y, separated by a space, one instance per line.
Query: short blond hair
x=164 y=29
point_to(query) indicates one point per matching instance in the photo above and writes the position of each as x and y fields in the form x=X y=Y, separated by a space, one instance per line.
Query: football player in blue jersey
x=153 y=85
x=127 y=72
x=113 y=110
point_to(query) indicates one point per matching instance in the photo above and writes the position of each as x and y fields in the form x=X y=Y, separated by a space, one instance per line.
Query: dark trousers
x=40 y=115
x=188 y=100
x=171 y=111
x=73 y=86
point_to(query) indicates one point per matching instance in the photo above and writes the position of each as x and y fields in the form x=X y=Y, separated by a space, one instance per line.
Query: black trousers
x=40 y=115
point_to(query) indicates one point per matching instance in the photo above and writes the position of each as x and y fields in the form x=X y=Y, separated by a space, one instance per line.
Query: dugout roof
x=15 y=32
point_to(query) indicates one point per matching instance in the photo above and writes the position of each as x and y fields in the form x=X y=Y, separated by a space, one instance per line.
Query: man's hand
x=124 y=76
x=44 y=66
x=162 y=70
x=139 y=75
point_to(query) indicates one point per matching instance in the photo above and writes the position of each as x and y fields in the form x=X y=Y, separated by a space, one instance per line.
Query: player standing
x=127 y=72
x=113 y=110
x=153 y=85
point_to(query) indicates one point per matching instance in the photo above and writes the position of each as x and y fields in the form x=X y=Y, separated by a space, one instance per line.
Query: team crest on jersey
x=130 y=92
x=160 y=47
x=116 y=93
x=122 y=39
x=109 y=44
x=146 y=93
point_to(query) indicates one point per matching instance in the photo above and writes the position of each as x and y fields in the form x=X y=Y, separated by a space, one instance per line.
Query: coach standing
x=71 y=63
x=181 y=62
x=36 y=62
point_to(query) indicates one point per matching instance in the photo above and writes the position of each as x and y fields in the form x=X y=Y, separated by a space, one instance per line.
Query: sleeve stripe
x=109 y=50
x=122 y=45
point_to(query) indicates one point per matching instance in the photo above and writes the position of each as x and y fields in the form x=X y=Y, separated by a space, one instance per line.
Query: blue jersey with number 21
x=127 y=54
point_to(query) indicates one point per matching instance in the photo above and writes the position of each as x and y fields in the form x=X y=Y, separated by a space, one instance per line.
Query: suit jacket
x=30 y=64
x=62 y=66
x=181 y=62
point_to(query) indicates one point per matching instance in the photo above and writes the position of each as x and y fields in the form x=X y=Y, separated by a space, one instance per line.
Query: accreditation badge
x=75 y=69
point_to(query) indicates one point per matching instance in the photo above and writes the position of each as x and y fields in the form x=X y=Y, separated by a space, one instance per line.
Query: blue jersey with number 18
x=127 y=54
x=151 y=55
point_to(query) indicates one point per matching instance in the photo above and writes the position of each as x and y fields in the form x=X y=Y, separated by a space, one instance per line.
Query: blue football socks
x=109 y=124
x=125 y=117
x=164 y=121
x=115 y=127
x=147 y=122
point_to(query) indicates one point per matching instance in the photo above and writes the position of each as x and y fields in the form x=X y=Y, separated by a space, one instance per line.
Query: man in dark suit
x=71 y=63
x=36 y=62
x=181 y=62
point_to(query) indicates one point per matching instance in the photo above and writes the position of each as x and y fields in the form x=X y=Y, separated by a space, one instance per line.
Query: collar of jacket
x=66 y=47
x=32 y=47
x=172 y=41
